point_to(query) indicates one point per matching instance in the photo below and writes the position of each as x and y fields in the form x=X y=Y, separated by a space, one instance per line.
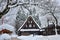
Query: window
x=10 y=0
x=31 y=21
x=30 y=25
x=58 y=29
x=28 y=21
x=33 y=25
x=26 y=25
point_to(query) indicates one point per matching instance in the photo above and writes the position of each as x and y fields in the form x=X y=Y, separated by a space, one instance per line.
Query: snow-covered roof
x=25 y=22
x=7 y=26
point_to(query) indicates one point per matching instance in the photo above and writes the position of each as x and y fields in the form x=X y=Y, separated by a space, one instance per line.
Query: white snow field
x=5 y=37
x=30 y=37
x=36 y=37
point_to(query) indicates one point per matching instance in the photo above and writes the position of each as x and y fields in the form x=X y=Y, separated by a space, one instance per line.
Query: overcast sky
x=58 y=1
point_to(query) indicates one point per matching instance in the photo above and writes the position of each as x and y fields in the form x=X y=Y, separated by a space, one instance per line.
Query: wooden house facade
x=58 y=29
x=29 y=27
x=50 y=30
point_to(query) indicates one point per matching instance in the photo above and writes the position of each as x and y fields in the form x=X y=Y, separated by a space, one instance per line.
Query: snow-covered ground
x=5 y=37
x=36 y=37
x=30 y=37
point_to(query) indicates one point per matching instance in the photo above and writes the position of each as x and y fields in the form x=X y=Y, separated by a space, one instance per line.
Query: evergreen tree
x=21 y=17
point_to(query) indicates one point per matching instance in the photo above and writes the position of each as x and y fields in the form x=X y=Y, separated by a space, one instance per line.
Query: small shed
x=6 y=28
x=49 y=30
x=29 y=27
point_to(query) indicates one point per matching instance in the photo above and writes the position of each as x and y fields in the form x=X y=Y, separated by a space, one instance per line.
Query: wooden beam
x=30 y=30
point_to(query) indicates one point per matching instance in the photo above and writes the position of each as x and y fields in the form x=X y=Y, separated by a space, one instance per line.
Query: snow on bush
x=7 y=26
x=10 y=17
x=5 y=37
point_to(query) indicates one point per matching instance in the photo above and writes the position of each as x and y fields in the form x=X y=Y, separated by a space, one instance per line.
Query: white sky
x=58 y=1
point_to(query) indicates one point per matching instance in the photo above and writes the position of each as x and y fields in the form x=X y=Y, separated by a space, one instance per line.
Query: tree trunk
x=56 y=23
x=5 y=10
x=55 y=19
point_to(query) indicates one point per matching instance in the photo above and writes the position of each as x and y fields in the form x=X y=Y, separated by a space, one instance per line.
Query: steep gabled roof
x=26 y=21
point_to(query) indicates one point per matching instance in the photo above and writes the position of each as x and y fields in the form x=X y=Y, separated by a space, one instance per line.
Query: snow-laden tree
x=26 y=9
x=31 y=7
x=4 y=6
x=50 y=7
x=21 y=17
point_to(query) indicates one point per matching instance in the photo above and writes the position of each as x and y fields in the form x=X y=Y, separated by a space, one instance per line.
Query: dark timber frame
x=29 y=27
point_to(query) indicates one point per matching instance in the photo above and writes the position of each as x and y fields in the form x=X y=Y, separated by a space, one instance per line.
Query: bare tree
x=4 y=10
x=5 y=7
x=50 y=7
